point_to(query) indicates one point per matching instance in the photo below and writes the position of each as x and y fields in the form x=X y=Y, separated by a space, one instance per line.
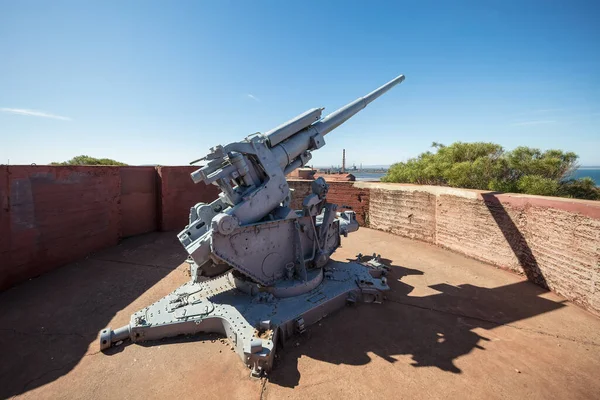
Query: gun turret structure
x=261 y=271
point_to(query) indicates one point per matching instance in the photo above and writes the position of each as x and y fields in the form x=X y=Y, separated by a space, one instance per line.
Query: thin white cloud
x=547 y=110
x=34 y=113
x=253 y=97
x=533 y=123
x=537 y=113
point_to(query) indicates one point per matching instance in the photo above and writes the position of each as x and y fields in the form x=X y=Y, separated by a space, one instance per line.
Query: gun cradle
x=263 y=252
x=260 y=271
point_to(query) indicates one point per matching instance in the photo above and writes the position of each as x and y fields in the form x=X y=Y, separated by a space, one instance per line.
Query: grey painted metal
x=342 y=115
x=252 y=323
x=293 y=126
x=268 y=267
x=302 y=141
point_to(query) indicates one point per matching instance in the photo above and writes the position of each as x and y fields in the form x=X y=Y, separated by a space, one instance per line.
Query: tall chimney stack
x=344 y=161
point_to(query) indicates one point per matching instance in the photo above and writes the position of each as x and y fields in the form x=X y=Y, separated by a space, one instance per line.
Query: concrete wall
x=50 y=216
x=54 y=215
x=410 y=214
x=554 y=242
x=139 y=200
x=178 y=194
x=5 y=240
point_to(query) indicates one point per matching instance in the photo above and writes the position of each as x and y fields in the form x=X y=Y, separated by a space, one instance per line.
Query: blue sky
x=161 y=82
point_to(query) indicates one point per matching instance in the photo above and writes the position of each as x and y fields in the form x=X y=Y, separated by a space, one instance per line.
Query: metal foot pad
x=105 y=338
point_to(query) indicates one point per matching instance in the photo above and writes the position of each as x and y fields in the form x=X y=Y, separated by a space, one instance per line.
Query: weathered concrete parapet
x=405 y=210
x=411 y=188
x=553 y=241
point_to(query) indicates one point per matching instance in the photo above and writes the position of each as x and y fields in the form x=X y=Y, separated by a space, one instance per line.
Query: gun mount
x=261 y=271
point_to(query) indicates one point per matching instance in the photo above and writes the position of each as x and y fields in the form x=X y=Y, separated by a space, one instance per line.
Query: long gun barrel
x=342 y=115
x=289 y=145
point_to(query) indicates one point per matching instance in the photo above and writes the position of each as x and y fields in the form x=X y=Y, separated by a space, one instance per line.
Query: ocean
x=368 y=176
x=592 y=172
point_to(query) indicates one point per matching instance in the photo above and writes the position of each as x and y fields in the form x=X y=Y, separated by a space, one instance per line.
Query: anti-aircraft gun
x=261 y=271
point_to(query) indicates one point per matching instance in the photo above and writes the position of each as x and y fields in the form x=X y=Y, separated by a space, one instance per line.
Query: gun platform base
x=253 y=322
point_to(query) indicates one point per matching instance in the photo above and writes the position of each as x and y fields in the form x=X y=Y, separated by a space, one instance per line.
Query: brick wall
x=340 y=193
x=300 y=189
x=554 y=242
x=346 y=194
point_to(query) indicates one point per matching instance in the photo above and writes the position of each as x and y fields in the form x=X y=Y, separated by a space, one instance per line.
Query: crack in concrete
x=40 y=377
x=43 y=374
x=263 y=388
x=584 y=342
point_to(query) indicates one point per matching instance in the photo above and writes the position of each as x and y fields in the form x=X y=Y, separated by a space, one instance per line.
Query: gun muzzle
x=342 y=115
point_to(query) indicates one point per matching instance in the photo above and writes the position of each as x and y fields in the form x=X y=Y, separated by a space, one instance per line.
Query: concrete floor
x=451 y=328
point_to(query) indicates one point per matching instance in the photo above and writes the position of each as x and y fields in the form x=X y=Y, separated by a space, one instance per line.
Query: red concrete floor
x=451 y=327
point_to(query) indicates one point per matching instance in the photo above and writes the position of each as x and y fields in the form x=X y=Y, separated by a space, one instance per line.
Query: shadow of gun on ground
x=48 y=323
x=433 y=330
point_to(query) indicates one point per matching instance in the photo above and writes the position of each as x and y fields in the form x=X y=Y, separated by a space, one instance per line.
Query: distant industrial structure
x=342 y=169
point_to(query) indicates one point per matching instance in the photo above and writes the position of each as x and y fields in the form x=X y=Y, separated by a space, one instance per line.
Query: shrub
x=487 y=166
x=582 y=188
x=87 y=160
x=536 y=184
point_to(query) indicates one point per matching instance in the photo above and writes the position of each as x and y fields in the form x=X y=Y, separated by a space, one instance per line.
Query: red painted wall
x=56 y=215
x=139 y=200
x=50 y=215
x=178 y=193
x=4 y=221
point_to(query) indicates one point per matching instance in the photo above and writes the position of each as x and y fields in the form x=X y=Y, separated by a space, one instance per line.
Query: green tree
x=87 y=160
x=552 y=164
x=488 y=166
